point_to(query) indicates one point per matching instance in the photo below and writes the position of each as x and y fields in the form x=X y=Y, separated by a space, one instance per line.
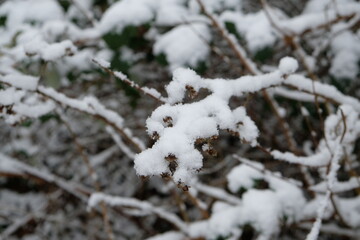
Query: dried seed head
x=183 y=186
x=165 y=176
x=215 y=137
x=212 y=152
x=155 y=136
x=192 y=93
x=209 y=150
x=238 y=124
x=172 y=166
x=168 y=121
x=144 y=178
x=171 y=157
x=199 y=141
x=232 y=132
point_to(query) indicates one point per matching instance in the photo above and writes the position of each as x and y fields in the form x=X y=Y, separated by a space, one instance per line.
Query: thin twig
x=93 y=175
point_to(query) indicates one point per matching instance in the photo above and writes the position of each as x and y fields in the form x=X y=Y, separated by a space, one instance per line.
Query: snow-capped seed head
x=199 y=141
x=170 y=158
x=144 y=178
x=183 y=186
x=168 y=120
x=214 y=137
x=288 y=65
x=155 y=136
x=166 y=176
x=173 y=166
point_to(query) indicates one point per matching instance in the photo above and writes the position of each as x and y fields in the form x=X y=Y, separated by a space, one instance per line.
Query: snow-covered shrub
x=179 y=119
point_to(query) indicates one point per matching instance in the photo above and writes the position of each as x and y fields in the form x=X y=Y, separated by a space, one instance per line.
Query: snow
x=308 y=20
x=255 y=209
x=103 y=63
x=24 y=82
x=186 y=123
x=50 y=52
x=338 y=187
x=180 y=125
x=144 y=206
x=314 y=233
x=10 y=96
x=20 y=11
x=323 y=90
x=168 y=235
x=34 y=110
x=242 y=176
x=126 y=13
x=288 y=65
x=179 y=43
x=346 y=50
x=254 y=27
x=171 y=14
x=350 y=210
x=121 y=75
x=320 y=158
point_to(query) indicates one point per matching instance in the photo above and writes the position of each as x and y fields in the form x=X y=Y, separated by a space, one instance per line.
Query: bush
x=186 y=119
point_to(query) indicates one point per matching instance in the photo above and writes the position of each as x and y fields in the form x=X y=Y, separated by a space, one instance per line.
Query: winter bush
x=179 y=119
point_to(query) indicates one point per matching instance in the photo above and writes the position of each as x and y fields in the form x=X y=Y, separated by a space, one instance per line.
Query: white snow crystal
x=288 y=65
x=21 y=81
x=179 y=43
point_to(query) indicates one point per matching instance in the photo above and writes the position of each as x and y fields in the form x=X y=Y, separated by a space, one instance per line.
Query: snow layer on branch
x=338 y=139
x=338 y=187
x=21 y=81
x=327 y=91
x=243 y=176
x=255 y=28
x=178 y=126
x=255 y=209
x=144 y=206
x=50 y=52
x=350 y=210
x=125 y=13
x=179 y=43
x=21 y=11
x=318 y=15
x=288 y=194
x=34 y=110
x=320 y=158
x=346 y=49
x=168 y=236
x=215 y=5
x=10 y=96
x=171 y=12
x=263 y=209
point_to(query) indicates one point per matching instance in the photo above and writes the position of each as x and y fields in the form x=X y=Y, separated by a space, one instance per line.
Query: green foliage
x=241 y=191
x=223 y=237
x=161 y=59
x=342 y=84
x=130 y=92
x=3 y=20
x=264 y=54
x=131 y=36
x=65 y=4
x=260 y=184
x=201 y=67
x=27 y=123
x=52 y=78
x=48 y=117
x=248 y=232
x=231 y=27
